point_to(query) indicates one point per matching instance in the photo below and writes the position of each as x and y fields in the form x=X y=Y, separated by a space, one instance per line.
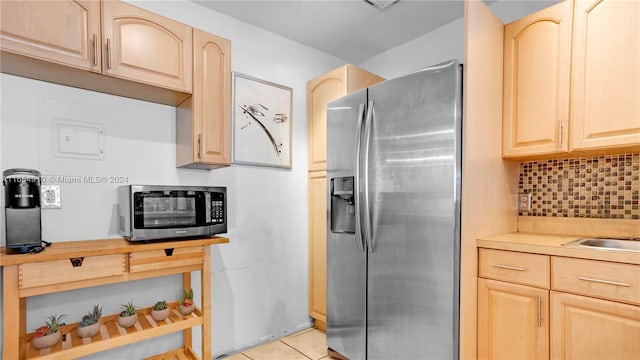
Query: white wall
x=444 y=43
x=260 y=279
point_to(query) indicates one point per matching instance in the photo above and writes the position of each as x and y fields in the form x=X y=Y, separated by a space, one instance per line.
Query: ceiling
x=351 y=30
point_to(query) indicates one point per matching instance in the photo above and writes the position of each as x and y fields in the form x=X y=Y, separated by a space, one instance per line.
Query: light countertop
x=552 y=245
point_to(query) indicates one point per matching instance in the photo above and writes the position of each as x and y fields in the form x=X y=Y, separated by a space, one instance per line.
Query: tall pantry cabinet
x=320 y=91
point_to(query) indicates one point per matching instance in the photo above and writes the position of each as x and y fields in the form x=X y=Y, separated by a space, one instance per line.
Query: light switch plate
x=50 y=197
x=524 y=202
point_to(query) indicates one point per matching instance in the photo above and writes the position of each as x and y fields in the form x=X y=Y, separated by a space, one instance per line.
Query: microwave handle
x=207 y=207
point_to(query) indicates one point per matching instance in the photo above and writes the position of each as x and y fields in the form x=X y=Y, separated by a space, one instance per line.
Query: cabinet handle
x=509 y=267
x=108 y=53
x=560 y=133
x=539 y=298
x=603 y=281
x=95 y=49
x=199 y=146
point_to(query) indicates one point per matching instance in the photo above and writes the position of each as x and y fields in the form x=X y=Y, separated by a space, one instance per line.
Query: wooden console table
x=81 y=264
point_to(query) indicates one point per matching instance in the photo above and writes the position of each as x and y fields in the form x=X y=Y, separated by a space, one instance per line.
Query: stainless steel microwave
x=150 y=212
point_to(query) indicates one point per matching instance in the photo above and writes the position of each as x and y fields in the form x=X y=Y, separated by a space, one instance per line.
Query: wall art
x=261 y=122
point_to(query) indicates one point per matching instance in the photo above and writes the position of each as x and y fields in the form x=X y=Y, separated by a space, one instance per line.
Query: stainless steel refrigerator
x=393 y=230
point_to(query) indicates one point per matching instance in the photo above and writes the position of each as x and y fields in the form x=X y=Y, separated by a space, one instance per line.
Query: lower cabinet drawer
x=607 y=280
x=165 y=258
x=69 y=270
x=515 y=267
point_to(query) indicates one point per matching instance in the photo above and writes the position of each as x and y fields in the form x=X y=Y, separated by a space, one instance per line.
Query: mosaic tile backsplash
x=591 y=187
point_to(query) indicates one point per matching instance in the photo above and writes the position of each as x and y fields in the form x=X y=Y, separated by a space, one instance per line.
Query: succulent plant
x=187 y=297
x=160 y=305
x=92 y=317
x=50 y=326
x=128 y=309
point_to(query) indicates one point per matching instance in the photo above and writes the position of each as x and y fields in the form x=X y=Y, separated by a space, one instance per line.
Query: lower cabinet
x=588 y=328
x=584 y=309
x=513 y=321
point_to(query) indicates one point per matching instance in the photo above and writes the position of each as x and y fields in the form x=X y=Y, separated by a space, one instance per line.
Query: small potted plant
x=160 y=311
x=128 y=315
x=90 y=324
x=186 y=304
x=48 y=335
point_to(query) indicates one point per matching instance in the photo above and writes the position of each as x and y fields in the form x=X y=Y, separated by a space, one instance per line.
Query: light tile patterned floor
x=305 y=345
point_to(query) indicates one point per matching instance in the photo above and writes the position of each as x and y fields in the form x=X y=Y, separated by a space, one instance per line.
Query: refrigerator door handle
x=368 y=233
x=359 y=237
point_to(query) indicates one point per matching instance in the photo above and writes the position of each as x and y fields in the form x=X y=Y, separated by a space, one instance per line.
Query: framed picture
x=261 y=122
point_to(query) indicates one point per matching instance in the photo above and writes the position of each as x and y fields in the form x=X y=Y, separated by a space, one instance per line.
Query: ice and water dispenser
x=343 y=219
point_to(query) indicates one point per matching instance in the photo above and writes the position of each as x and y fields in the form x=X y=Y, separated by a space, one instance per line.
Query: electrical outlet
x=50 y=197
x=524 y=202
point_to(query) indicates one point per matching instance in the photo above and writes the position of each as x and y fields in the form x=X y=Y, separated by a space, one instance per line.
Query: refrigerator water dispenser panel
x=343 y=219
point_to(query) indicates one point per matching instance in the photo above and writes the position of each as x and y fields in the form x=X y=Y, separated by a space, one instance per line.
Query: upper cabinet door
x=146 y=47
x=65 y=32
x=605 y=102
x=321 y=91
x=537 y=51
x=212 y=98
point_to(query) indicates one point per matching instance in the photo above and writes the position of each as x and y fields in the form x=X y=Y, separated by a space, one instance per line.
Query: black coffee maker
x=22 y=210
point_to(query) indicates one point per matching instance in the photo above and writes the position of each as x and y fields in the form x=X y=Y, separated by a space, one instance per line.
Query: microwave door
x=164 y=209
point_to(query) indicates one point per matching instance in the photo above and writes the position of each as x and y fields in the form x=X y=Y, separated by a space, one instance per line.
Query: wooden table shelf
x=157 y=260
x=111 y=335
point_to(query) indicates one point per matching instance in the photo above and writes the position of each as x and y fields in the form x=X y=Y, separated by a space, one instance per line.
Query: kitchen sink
x=606 y=244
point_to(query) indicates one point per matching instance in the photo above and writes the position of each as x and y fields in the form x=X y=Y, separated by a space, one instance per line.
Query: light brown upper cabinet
x=605 y=101
x=572 y=80
x=203 y=128
x=537 y=51
x=146 y=47
x=76 y=43
x=64 y=32
x=322 y=90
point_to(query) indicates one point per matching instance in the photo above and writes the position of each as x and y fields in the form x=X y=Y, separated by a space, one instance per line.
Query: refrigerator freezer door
x=346 y=260
x=414 y=195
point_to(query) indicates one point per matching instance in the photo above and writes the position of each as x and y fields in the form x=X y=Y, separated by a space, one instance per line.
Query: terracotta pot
x=47 y=341
x=186 y=310
x=89 y=330
x=127 y=321
x=159 y=315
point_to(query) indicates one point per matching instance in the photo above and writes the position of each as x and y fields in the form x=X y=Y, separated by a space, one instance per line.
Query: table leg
x=206 y=303
x=186 y=284
x=13 y=315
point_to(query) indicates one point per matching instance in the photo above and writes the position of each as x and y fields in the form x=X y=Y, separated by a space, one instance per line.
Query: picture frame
x=262 y=122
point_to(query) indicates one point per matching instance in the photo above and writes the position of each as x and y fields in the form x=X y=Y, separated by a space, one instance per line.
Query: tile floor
x=305 y=345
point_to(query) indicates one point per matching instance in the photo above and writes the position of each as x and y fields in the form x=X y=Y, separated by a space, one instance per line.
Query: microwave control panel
x=217 y=208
